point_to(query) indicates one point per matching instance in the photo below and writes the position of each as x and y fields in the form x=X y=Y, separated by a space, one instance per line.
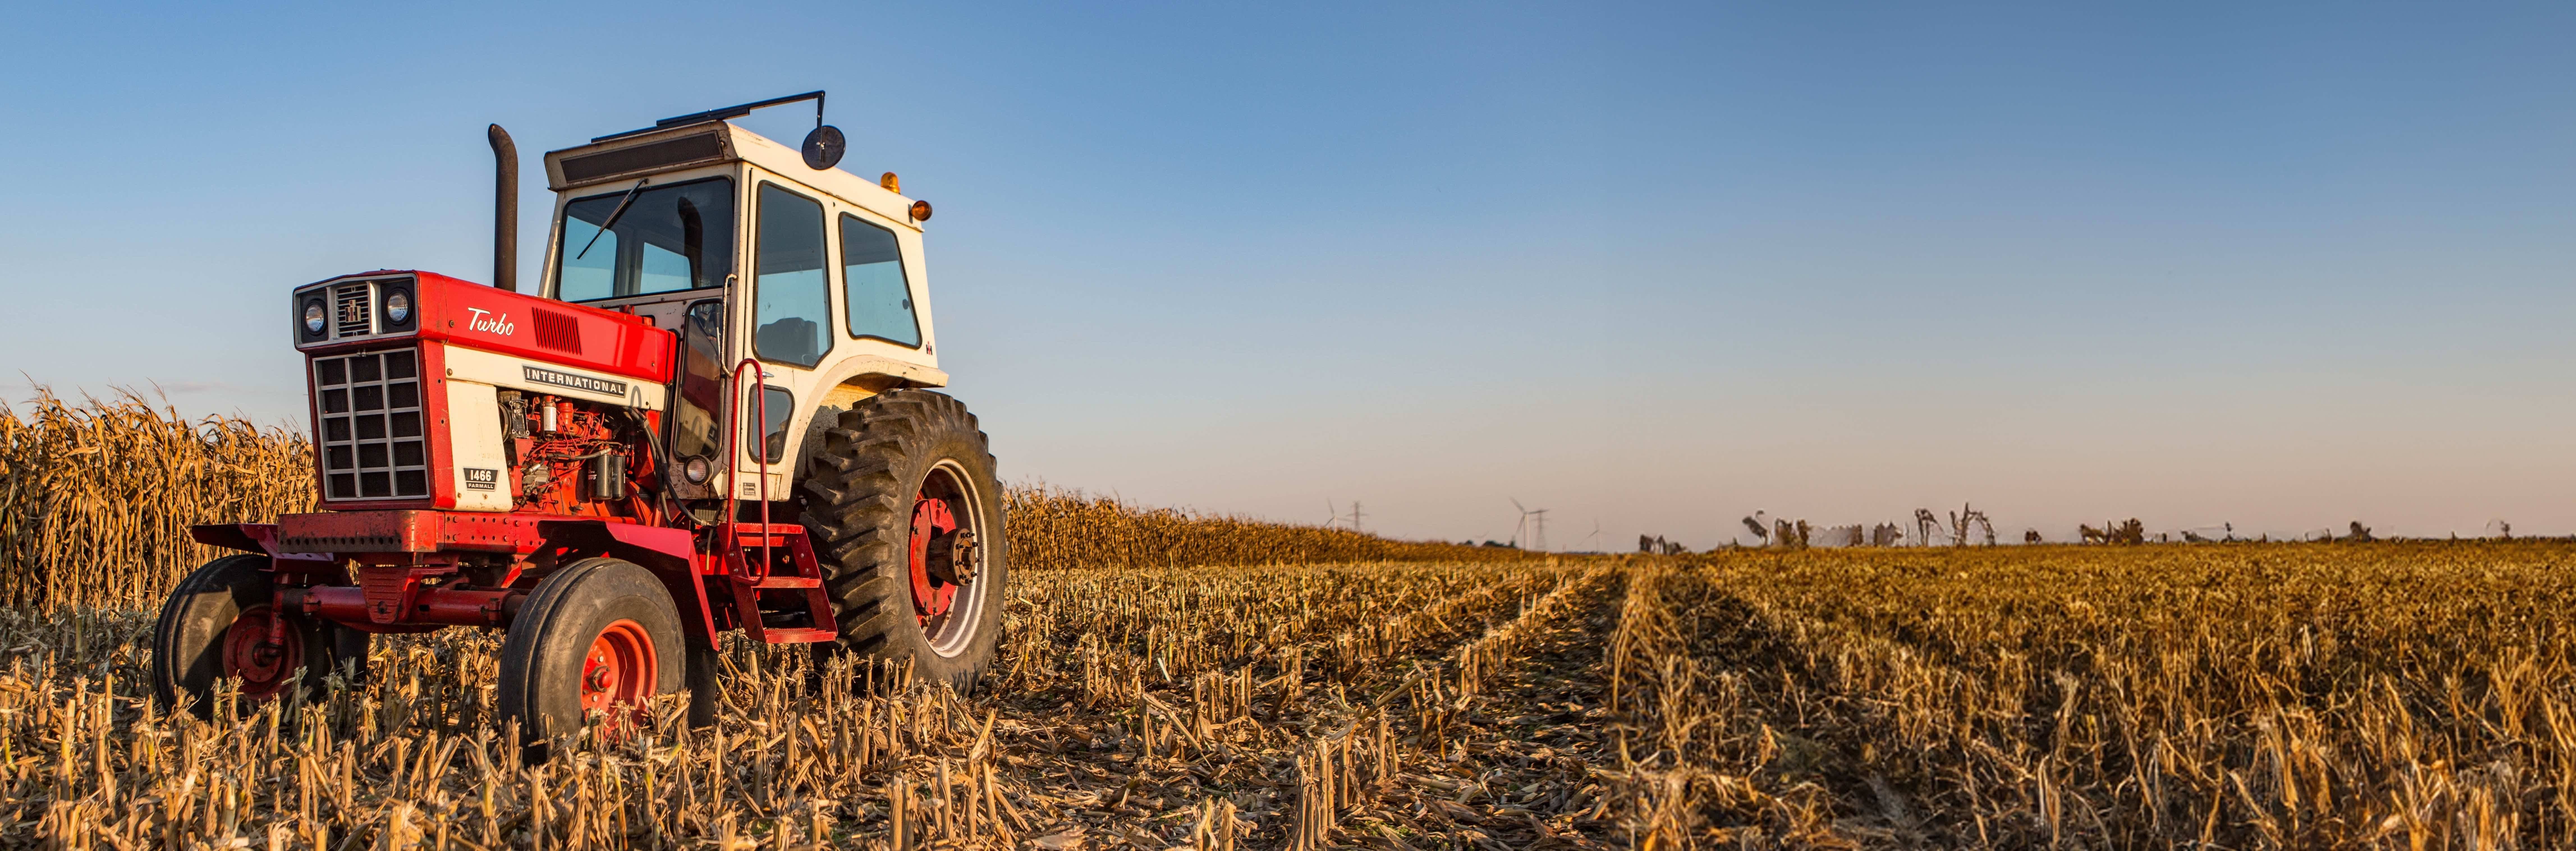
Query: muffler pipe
x=505 y=211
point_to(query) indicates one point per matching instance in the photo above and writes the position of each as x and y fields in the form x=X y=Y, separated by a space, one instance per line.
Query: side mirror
x=823 y=147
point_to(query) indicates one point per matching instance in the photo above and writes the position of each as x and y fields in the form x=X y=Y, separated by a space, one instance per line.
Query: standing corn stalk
x=96 y=498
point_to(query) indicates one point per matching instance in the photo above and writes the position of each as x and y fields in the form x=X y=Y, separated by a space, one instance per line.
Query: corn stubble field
x=2390 y=695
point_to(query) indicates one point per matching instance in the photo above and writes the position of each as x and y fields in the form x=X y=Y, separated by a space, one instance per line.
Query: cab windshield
x=669 y=238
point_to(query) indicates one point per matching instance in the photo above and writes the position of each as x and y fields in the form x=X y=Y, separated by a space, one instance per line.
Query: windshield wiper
x=612 y=218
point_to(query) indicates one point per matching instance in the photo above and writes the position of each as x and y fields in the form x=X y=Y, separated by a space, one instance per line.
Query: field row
x=2255 y=697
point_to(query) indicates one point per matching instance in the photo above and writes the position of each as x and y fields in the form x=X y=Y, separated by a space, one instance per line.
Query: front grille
x=354 y=310
x=371 y=442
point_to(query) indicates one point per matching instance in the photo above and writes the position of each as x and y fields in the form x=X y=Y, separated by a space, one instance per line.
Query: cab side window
x=792 y=307
x=776 y=406
x=872 y=270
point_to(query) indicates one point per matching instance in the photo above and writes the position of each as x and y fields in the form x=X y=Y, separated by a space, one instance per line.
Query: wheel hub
x=936 y=577
x=252 y=653
x=619 y=672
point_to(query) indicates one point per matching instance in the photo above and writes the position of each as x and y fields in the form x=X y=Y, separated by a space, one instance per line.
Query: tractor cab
x=746 y=249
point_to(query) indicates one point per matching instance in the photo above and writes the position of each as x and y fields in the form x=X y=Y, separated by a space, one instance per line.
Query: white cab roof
x=628 y=157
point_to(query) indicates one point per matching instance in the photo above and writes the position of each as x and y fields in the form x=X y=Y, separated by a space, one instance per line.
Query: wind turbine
x=1591 y=539
x=1534 y=521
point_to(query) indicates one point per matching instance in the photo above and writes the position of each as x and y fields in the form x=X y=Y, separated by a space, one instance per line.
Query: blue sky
x=1653 y=267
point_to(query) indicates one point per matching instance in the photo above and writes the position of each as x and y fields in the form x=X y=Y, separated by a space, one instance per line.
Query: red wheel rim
x=930 y=519
x=619 y=671
x=263 y=667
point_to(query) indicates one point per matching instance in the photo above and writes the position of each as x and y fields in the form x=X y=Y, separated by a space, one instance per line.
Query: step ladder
x=751 y=550
x=774 y=564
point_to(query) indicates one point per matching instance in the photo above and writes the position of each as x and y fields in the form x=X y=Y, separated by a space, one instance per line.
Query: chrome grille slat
x=353 y=309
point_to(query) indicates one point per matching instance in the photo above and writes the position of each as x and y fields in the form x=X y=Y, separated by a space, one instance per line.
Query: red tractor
x=712 y=415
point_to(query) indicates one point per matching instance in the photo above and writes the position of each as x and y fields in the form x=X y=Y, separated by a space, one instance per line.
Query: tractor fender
x=844 y=383
x=906 y=373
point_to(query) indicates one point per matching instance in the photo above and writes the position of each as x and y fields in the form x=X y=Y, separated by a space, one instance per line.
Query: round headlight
x=696 y=469
x=313 y=317
x=398 y=308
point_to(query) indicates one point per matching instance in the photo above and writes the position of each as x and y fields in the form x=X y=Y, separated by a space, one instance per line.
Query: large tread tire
x=542 y=655
x=858 y=493
x=188 y=638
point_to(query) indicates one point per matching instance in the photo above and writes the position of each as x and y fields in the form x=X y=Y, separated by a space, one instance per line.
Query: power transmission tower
x=1356 y=515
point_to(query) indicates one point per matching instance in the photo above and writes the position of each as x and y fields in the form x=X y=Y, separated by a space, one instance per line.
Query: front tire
x=598 y=635
x=216 y=624
x=906 y=509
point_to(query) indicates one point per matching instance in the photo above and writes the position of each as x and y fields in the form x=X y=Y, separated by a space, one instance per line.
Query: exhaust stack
x=505 y=211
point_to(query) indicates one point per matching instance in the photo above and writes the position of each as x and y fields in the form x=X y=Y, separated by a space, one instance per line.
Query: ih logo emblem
x=482 y=320
x=479 y=479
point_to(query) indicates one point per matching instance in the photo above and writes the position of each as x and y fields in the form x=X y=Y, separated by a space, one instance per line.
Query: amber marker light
x=891 y=183
x=921 y=211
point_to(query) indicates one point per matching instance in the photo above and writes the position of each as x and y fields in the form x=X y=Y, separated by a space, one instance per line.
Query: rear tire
x=897 y=460
x=213 y=626
x=600 y=634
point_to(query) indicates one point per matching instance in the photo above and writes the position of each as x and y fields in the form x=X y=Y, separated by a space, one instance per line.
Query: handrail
x=733 y=458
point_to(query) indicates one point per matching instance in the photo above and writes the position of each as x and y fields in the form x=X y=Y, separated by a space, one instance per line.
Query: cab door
x=789 y=330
